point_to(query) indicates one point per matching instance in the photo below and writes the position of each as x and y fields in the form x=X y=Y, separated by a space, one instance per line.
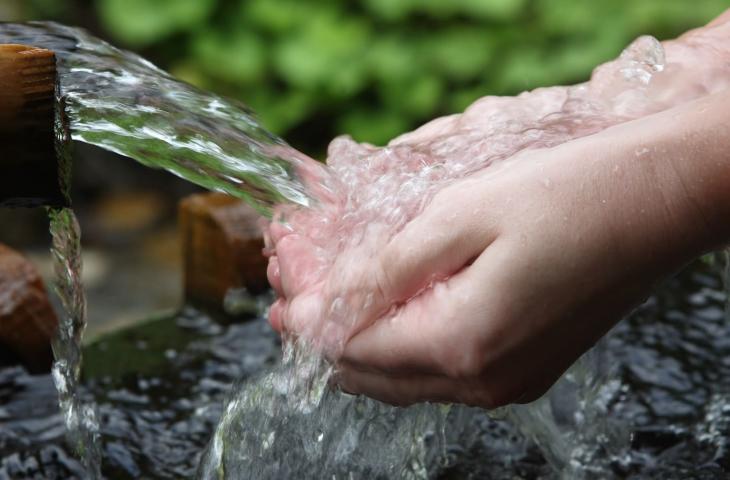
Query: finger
x=308 y=316
x=435 y=244
x=407 y=390
x=303 y=315
x=298 y=264
x=276 y=314
x=273 y=274
x=438 y=331
x=265 y=227
x=428 y=131
x=278 y=229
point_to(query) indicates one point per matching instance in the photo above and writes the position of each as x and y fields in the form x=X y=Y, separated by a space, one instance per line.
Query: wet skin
x=509 y=275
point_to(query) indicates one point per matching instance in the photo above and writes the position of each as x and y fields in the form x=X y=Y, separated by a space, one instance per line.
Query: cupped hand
x=507 y=276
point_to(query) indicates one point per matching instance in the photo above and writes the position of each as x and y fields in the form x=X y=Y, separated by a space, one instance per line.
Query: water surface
x=160 y=403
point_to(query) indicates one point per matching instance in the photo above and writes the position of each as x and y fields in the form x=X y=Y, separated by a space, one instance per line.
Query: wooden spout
x=29 y=174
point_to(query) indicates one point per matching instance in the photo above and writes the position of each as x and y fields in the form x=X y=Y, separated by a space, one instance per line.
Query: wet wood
x=27 y=83
x=28 y=162
x=27 y=320
x=222 y=247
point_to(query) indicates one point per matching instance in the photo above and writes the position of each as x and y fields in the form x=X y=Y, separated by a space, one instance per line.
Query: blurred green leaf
x=142 y=22
x=279 y=112
x=46 y=8
x=372 y=126
x=461 y=52
x=568 y=17
x=574 y=61
x=277 y=16
x=492 y=9
x=397 y=10
x=190 y=73
x=520 y=70
x=237 y=57
x=669 y=17
x=416 y=97
x=392 y=10
x=328 y=51
x=394 y=57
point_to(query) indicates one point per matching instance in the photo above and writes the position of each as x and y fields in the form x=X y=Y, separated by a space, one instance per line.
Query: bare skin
x=554 y=267
x=529 y=264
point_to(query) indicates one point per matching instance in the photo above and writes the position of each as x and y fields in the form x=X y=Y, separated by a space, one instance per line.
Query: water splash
x=380 y=190
x=80 y=418
x=288 y=423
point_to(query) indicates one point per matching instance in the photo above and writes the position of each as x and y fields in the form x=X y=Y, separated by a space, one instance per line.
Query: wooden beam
x=29 y=173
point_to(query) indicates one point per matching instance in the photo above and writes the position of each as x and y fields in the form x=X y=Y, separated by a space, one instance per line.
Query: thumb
x=447 y=236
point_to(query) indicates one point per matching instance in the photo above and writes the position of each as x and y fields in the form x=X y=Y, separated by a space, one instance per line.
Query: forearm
x=683 y=157
x=696 y=139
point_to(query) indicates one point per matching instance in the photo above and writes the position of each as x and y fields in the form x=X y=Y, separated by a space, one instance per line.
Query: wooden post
x=222 y=248
x=29 y=173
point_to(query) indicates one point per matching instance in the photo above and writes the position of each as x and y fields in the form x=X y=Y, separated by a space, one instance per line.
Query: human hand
x=540 y=260
x=509 y=275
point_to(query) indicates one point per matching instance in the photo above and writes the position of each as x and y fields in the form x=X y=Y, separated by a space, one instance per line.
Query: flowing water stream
x=80 y=417
x=123 y=103
x=287 y=421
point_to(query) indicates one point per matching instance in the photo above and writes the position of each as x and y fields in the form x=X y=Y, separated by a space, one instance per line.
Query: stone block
x=27 y=320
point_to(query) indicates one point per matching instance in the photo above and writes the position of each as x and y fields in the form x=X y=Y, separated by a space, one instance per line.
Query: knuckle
x=466 y=362
x=384 y=282
x=460 y=352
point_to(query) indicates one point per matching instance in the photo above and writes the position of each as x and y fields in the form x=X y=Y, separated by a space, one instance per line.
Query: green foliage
x=141 y=22
x=325 y=53
x=375 y=68
x=236 y=57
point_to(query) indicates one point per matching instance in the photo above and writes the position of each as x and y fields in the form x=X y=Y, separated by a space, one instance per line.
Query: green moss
x=135 y=350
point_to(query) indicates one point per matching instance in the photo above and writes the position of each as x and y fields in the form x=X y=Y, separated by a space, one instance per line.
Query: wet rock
x=27 y=320
x=222 y=248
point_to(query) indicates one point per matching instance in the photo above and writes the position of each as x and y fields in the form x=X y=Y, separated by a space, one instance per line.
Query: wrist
x=697 y=146
x=671 y=175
